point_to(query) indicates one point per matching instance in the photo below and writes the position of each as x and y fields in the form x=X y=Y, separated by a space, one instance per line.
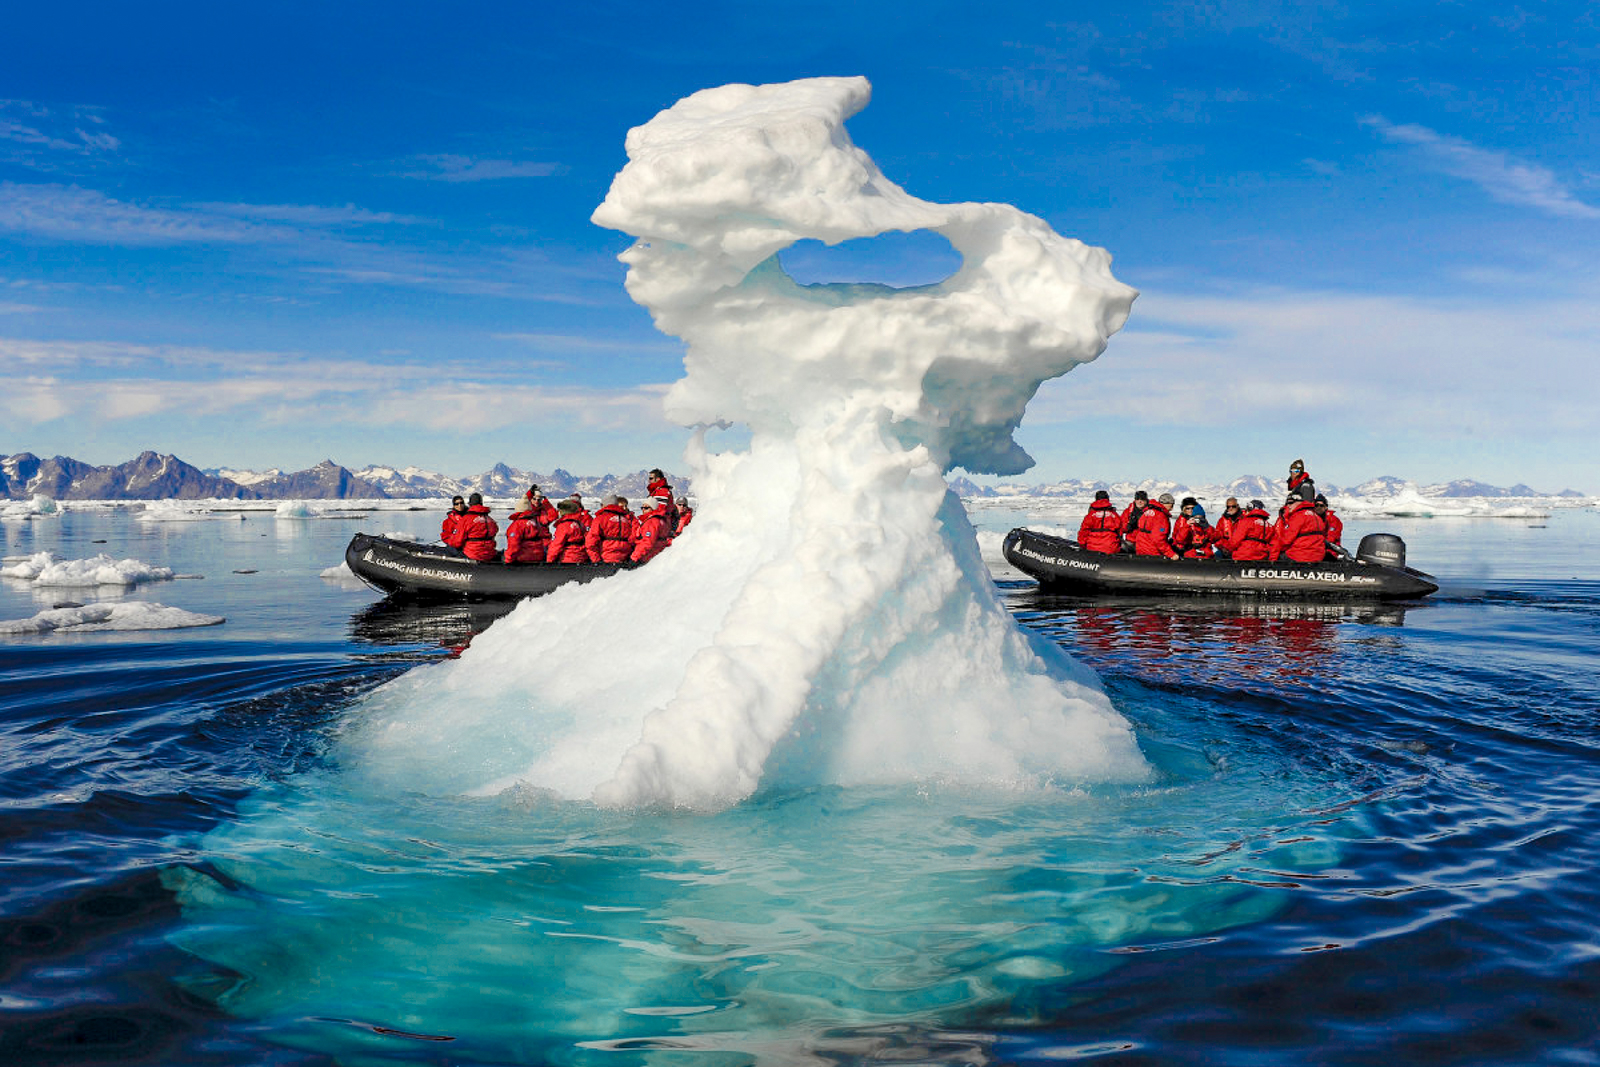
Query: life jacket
x=1130 y=518
x=1193 y=541
x=610 y=536
x=1101 y=528
x=453 y=527
x=1152 y=537
x=1302 y=536
x=527 y=538
x=650 y=535
x=685 y=516
x=1252 y=538
x=478 y=533
x=566 y=541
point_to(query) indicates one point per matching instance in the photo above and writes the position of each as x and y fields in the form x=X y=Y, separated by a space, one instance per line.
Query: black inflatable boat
x=406 y=568
x=1378 y=572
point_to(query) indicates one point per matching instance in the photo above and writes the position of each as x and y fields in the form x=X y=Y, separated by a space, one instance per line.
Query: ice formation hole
x=896 y=259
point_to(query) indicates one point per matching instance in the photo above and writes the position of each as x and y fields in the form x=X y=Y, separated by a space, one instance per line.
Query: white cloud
x=1388 y=363
x=1496 y=173
x=109 y=381
x=68 y=212
x=307 y=214
x=454 y=168
x=41 y=136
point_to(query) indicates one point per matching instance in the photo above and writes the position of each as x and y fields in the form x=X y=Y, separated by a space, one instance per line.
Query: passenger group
x=1305 y=531
x=566 y=532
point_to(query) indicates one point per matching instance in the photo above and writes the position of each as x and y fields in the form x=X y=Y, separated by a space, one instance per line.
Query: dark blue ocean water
x=1373 y=837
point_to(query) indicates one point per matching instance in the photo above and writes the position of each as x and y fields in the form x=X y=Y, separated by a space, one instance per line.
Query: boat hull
x=1065 y=566
x=405 y=568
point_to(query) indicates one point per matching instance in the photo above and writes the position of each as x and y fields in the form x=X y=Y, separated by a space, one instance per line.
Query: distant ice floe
x=178 y=511
x=92 y=618
x=39 y=506
x=46 y=568
x=298 y=509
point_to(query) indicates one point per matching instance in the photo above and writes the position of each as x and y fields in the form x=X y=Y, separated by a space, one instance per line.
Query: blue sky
x=261 y=235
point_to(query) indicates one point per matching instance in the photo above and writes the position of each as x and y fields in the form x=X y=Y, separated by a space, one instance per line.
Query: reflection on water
x=1227 y=641
x=450 y=625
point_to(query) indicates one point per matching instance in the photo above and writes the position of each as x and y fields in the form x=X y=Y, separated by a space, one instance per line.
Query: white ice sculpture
x=827 y=618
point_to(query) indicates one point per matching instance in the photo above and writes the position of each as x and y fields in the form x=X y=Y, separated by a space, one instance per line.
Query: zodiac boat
x=1378 y=572
x=406 y=568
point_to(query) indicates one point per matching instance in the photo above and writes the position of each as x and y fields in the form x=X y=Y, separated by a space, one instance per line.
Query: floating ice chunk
x=175 y=511
x=45 y=568
x=828 y=618
x=135 y=615
x=1410 y=502
x=341 y=571
x=297 y=509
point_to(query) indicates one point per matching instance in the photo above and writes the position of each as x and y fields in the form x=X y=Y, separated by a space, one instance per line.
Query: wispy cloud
x=43 y=136
x=1497 y=173
x=308 y=214
x=454 y=168
x=566 y=342
x=68 y=212
x=1381 y=362
x=18 y=309
x=112 y=381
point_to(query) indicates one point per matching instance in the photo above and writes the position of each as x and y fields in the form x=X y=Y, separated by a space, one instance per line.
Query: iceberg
x=92 y=618
x=46 y=568
x=828 y=618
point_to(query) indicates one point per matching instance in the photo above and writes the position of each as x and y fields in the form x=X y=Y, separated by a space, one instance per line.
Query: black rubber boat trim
x=1065 y=566
x=405 y=568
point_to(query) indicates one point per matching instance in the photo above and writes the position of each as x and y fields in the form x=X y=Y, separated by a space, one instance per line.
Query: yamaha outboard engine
x=1381 y=548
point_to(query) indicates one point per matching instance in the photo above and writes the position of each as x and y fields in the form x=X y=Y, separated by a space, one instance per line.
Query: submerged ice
x=827 y=619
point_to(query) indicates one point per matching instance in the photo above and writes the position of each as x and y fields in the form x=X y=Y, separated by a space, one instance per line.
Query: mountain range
x=151 y=476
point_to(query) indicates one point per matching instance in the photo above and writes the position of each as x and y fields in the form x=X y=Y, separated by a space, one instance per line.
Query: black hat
x=1257 y=505
x=475 y=499
x=1321 y=499
x=1141 y=495
x=1101 y=494
x=1188 y=502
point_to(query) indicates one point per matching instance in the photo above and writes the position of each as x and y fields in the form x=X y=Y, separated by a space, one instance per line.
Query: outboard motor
x=1384 y=549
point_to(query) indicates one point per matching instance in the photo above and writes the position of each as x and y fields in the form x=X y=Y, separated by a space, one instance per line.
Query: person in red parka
x=1252 y=535
x=567 y=536
x=527 y=538
x=1302 y=535
x=685 y=513
x=610 y=536
x=1130 y=517
x=1180 y=521
x=1101 y=528
x=651 y=534
x=1222 y=530
x=1194 y=540
x=540 y=505
x=478 y=531
x=1335 y=528
x=1153 y=538
x=455 y=521
x=583 y=512
x=658 y=483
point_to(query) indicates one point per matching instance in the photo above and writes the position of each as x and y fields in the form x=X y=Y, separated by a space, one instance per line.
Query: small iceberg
x=46 y=568
x=91 y=618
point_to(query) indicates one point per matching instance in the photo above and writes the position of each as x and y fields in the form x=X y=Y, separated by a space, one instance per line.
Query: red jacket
x=477 y=534
x=1192 y=540
x=610 y=536
x=566 y=541
x=1101 y=528
x=1302 y=535
x=1152 y=538
x=1130 y=520
x=651 y=534
x=685 y=514
x=453 y=527
x=541 y=509
x=1251 y=538
x=1222 y=529
x=527 y=538
x=1335 y=528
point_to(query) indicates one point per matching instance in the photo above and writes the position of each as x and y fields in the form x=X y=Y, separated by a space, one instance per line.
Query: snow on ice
x=91 y=618
x=46 y=568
